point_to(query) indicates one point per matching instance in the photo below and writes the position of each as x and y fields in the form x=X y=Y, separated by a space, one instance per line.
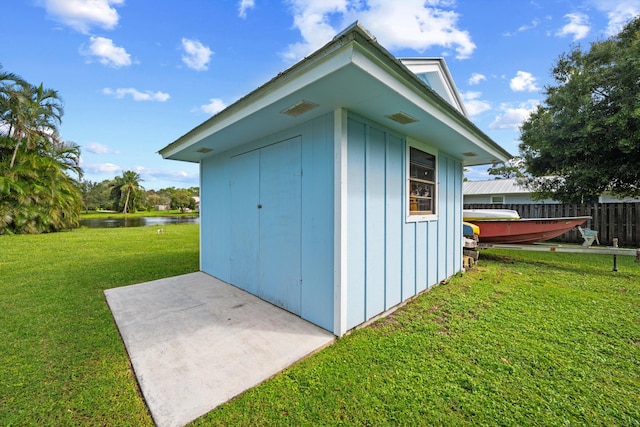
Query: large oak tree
x=585 y=137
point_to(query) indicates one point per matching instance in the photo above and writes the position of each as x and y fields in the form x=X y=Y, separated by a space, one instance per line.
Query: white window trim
x=430 y=150
x=497 y=203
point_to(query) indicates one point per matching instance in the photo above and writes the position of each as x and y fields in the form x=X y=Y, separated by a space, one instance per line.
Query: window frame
x=494 y=202
x=420 y=216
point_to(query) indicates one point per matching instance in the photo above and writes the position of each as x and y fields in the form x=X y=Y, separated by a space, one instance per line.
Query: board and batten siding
x=389 y=259
x=316 y=210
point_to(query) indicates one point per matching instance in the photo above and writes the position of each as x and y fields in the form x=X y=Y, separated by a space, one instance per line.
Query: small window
x=497 y=199
x=422 y=182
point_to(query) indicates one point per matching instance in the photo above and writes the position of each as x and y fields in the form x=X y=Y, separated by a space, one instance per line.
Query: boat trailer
x=608 y=250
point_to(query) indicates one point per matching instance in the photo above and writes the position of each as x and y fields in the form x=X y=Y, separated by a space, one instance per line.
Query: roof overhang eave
x=352 y=72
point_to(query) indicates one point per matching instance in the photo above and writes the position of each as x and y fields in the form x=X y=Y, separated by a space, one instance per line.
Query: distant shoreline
x=139 y=214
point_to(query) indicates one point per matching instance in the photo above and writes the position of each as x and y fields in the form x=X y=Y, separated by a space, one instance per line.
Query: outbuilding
x=334 y=191
x=514 y=191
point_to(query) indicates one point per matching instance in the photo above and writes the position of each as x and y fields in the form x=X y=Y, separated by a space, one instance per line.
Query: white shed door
x=266 y=190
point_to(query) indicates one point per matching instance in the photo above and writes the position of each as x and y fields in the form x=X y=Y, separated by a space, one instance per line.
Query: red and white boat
x=506 y=226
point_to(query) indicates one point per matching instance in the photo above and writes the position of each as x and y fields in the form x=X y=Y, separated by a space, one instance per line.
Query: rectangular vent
x=299 y=108
x=469 y=154
x=402 y=118
x=204 y=150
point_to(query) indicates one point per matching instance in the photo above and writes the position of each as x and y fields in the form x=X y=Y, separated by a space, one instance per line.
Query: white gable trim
x=445 y=86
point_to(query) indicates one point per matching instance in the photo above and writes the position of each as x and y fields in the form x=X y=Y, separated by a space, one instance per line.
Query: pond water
x=138 y=221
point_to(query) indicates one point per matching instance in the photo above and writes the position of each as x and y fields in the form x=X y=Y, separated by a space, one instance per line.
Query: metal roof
x=494 y=186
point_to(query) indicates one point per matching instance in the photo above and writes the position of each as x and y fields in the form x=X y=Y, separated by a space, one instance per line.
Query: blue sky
x=137 y=74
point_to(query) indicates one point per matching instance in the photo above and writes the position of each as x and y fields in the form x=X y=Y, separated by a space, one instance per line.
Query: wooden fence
x=611 y=220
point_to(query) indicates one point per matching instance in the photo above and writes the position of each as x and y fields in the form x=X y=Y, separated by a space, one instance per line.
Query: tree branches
x=587 y=132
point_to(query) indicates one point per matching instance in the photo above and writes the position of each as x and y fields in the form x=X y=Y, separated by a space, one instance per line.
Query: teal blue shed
x=334 y=191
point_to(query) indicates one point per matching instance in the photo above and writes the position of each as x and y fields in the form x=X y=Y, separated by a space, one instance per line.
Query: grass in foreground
x=524 y=339
x=62 y=360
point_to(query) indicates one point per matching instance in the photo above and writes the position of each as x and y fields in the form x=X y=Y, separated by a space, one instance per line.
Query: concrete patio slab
x=195 y=342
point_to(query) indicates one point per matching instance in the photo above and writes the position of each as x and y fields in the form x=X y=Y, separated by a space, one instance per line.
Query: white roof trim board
x=435 y=73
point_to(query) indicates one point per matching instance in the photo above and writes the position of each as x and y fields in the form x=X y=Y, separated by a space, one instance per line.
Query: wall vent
x=402 y=118
x=299 y=108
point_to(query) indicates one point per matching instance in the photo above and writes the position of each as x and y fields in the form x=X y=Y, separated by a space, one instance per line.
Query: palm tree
x=5 y=75
x=37 y=195
x=31 y=114
x=128 y=183
x=8 y=80
x=10 y=85
x=37 y=190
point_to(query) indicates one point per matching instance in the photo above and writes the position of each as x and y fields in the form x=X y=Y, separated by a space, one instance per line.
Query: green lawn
x=526 y=338
x=62 y=360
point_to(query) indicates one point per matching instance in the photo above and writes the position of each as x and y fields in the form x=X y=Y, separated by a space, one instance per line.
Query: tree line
x=41 y=186
x=125 y=194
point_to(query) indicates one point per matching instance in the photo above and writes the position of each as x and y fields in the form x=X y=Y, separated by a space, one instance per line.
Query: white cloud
x=476 y=78
x=196 y=54
x=97 y=148
x=170 y=174
x=478 y=173
x=619 y=13
x=244 y=6
x=136 y=94
x=473 y=105
x=413 y=24
x=107 y=53
x=578 y=26
x=530 y=26
x=153 y=175
x=81 y=15
x=512 y=117
x=101 y=168
x=526 y=27
x=311 y=18
x=214 y=106
x=523 y=81
x=149 y=175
